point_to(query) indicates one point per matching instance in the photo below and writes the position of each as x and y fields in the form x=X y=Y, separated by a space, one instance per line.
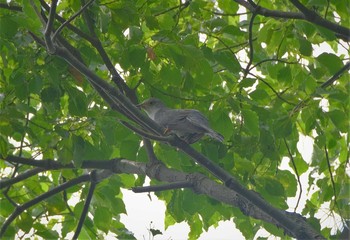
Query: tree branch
x=164 y=187
x=200 y=184
x=75 y=15
x=336 y=75
x=305 y=14
x=27 y=174
x=296 y=173
x=96 y=43
x=313 y=17
x=251 y=47
x=86 y=205
x=49 y=28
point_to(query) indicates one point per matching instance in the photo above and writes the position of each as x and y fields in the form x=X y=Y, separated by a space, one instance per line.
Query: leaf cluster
x=256 y=75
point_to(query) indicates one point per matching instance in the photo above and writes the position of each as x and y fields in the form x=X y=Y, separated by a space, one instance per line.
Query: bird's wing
x=198 y=120
x=177 y=118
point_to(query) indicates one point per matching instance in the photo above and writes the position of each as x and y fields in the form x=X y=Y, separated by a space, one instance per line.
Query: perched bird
x=188 y=124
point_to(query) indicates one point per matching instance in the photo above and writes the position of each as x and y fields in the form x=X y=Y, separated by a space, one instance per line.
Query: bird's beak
x=140 y=105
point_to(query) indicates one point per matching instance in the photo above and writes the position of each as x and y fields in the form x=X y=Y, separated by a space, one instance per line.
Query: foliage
x=257 y=78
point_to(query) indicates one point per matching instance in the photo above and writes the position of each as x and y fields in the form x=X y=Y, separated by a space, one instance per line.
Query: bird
x=188 y=124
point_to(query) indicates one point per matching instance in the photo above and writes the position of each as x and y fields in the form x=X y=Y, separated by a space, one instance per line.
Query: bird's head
x=151 y=106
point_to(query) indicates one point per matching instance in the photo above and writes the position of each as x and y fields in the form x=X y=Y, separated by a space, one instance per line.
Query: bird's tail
x=215 y=135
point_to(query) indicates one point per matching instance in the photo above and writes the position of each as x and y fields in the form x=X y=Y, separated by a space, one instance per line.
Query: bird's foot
x=167 y=131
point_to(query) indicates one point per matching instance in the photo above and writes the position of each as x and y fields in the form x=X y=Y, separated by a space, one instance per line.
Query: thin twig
x=296 y=173
x=273 y=90
x=71 y=19
x=251 y=47
x=27 y=174
x=85 y=211
x=150 y=152
x=49 y=28
x=65 y=197
x=336 y=75
x=330 y=173
x=62 y=20
x=272 y=60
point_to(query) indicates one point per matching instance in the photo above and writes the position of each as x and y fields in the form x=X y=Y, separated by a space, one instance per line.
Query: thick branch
x=304 y=14
x=27 y=174
x=313 y=17
x=201 y=185
x=163 y=187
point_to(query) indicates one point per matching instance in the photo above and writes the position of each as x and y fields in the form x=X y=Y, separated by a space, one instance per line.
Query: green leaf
x=129 y=149
x=267 y=144
x=221 y=122
x=243 y=165
x=77 y=102
x=247 y=82
x=42 y=231
x=251 y=121
x=166 y=21
x=305 y=47
x=196 y=226
x=260 y=95
x=31 y=20
x=3 y=147
x=102 y=219
x=300 y=165
x=137 y=55
x=118 y=206
x=210 y=150
x=25 y=222
x=340 y=120
x=228 y=60
x=288 y=181
x=273 y=187
x=135 y=34
x=283 y=127
x=8 y=27
x=191 y=203
x=50 y=94
x=330 y=61
x=65 y=152
x=6 y=207
x=285 y=75
x=228 y=6
x=170 y=75
x=127 y=181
